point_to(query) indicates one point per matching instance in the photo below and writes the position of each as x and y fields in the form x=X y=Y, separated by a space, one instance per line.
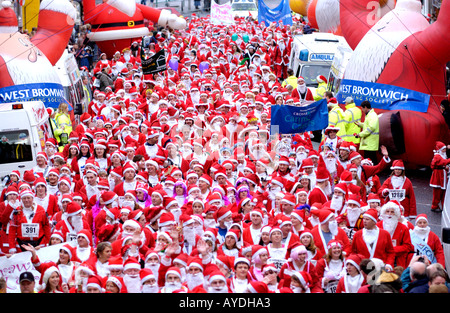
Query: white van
x=313 y=54
x=24 y=128
x=445 y=223
x=70 y=76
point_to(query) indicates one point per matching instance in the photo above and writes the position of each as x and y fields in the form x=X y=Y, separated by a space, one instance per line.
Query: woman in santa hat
x=399 y=181
x=260 y=255
x=331 y=267
x=314 y=253
x=230 y=247
x=297 y=261
x=426 y=242
x=50 y=281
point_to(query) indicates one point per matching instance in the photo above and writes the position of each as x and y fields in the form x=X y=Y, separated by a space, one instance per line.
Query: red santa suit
x=320 y=242
x=400 y=182
x=438 y=178
x=49 y=203
x=401 y=241
x=375 y=243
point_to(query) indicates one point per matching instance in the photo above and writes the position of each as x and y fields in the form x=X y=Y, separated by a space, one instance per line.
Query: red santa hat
x=372 y=214
x=422 y=216
x=289 y=199
x=397 y=165
x=304 y=278
x=73 y=209
x=355 y=259
x=146 y=274
x=324 y=215
x=373 y=197
x=173 y=270
x=95 y=281
x=131 y=263
x=258 y=287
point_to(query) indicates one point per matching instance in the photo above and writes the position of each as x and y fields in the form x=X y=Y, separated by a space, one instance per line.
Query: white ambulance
x=313 y=54
x=24 y=128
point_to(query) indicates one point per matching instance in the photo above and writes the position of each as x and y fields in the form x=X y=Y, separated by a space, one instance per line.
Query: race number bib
x=30 y=230
x=397 y=194
x=71 y=237
x=277 y=262
x=331 y=286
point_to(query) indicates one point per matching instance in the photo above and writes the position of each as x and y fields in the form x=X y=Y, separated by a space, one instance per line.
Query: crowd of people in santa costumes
x=171 y=184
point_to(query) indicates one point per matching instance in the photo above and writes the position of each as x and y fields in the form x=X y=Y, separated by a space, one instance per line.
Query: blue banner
x=281 y=13
x=287 y=119
x=381 y=96
x=50 y=94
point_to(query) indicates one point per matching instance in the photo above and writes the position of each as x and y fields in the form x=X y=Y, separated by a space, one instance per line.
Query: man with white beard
x=390 y=215
x=302 y=92
x=352 y=216
x=427 y=242
x=188 y=233
x=194 y=276
x=217 y=283
x=173 y=281
x=152 y=261
x=148 y=281
x=131 y=278
x=195 y=95
x=339 y=198
x=301 y=154
x=72 y=222
x=332 y=164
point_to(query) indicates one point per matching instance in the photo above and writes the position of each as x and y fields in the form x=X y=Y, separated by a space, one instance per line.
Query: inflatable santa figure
x=115 y=24
x=26 y=61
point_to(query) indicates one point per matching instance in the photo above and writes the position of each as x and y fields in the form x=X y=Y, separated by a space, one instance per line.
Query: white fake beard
x=314 y=220
x=176 y=213
x=301 y=88
x=133 y=283
x=390 y=223
x=327 y=189
x=443 y=154
x=301 y=156
x=193 y=280
x=422 y=232
x=331 y=165
x=199 y=230
x=336 y=203
x=195 y=97
x=216 y=126
x=150 y=288
x=353 y=215
x=333 y=226
x=172 y=286
x=223 y=289
x=209 y=223
x=77 y=223
x=154 y=268
x=13 y=205
x=189 y=235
